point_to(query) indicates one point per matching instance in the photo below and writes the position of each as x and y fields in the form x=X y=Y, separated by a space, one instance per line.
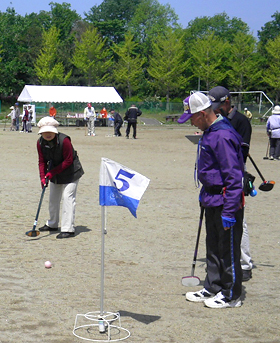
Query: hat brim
x=48 y=129
x=215 y=105
x=184 y=117
x=275 y=112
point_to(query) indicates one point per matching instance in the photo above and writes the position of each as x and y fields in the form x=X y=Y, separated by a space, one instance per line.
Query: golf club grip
x=197 y=239
x=257 y=169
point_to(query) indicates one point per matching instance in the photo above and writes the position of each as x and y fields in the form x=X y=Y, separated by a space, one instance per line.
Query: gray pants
x=29 y=126
x=274 y=150
x=246 y=262
x=66 y=192
x=91 y=127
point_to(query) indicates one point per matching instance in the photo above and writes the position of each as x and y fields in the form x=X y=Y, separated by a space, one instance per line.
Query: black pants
x=24 y=126
x=274 y=147
x=224 y=271
x=117 y=129
x=129 y=124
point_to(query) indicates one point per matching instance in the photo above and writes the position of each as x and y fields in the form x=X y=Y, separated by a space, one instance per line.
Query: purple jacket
x=220 y=164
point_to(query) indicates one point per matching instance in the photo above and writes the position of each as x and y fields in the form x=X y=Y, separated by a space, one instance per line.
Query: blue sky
x=253 y=12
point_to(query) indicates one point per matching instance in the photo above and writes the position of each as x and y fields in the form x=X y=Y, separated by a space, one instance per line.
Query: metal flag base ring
x=95 y=327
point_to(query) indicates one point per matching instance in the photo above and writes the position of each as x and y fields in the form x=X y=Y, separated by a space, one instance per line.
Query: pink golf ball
x=48 y=264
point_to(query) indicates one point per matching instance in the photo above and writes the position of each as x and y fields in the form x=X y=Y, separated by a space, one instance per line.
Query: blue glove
x=228 y=222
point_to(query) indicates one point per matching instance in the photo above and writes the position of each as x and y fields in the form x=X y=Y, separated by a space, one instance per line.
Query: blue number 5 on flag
x=125 y=185
x=120 y=186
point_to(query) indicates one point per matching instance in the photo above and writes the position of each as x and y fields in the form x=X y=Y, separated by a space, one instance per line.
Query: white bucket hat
x=276 y=110
x=48 y=124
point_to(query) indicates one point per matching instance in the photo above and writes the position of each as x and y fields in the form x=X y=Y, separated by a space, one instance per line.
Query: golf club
x=34 y=232
x=265 y=186
x=194 y=280
x=5 y=124
x=266 y=156
x=85 y=127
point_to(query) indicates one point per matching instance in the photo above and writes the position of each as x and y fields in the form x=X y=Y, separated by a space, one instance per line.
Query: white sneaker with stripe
x=219 y=301
x=199 y=296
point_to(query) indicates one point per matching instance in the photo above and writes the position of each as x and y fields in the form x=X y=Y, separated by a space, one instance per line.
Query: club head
x=267 y=186
x=190 y=281
x=265 y=158
x=32 y=233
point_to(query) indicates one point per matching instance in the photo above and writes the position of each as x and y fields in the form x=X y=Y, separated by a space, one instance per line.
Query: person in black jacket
x=117 y=123
x=221 y=103
x=131 y=117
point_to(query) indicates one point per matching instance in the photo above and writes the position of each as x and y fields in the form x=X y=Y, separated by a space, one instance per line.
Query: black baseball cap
x=218 y=95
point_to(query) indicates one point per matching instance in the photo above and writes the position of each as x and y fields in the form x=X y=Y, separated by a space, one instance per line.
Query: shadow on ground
x=143 y=318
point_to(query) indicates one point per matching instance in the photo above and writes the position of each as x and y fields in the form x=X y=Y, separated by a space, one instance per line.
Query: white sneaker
x=199 y=296
x=219 y=301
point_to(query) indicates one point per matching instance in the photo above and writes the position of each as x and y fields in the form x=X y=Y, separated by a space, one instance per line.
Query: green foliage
x=269 y=31
x=243 y=71
x=63 y=18
x=128 y=70
x=209 y=57
x=139 y=48
x=166 y=64
x=92 y=57
x=271 y=76
x=16 y=55
x=111 y=18
x=150 y=20
x=223 y=27
x=49 y=70
x=133 y=99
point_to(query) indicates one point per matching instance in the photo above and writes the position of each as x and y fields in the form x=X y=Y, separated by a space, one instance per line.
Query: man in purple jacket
x=221 y=103
x=220 y=170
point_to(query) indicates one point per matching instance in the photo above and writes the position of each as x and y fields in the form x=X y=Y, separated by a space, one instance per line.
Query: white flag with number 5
x=120 y=186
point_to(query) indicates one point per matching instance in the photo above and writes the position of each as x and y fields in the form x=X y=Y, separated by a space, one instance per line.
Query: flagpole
x=103 y=230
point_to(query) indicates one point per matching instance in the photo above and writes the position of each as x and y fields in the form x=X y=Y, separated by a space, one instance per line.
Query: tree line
x=139 y=48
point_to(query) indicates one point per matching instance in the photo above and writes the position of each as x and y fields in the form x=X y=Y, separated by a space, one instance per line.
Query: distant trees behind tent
x=139 y=48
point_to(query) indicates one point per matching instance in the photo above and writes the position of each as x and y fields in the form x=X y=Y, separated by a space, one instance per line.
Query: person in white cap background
x=13 y=118
x=17 y=115
x=273 y=131
x=248 y=114
x=90 y=116
x=220 y=169
x=59 y=164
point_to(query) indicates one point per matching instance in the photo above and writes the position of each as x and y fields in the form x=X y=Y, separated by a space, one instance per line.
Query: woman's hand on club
x=44 y=183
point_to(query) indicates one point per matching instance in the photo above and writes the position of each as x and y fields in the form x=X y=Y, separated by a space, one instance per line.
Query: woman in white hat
x=273 y=131
x=13 y=118
x=59 y=164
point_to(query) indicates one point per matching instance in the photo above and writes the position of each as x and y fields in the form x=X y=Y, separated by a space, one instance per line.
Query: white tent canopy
x=70 y=94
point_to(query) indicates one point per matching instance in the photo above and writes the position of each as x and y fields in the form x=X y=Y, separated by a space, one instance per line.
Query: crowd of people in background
x=22 y=122
x=26 y=118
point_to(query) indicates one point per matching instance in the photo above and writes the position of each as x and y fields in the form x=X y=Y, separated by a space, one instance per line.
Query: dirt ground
x=145 y=258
